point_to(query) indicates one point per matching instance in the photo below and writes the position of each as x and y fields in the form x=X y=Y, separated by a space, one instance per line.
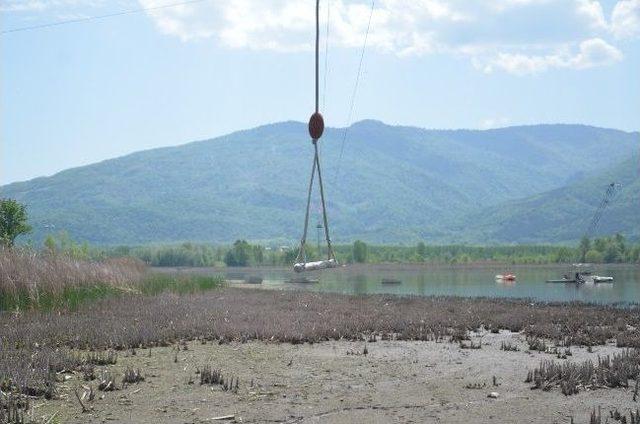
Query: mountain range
x=384 y=184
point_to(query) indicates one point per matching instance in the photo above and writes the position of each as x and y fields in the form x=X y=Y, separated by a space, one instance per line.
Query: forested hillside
x=565 y=213
x=394 y=185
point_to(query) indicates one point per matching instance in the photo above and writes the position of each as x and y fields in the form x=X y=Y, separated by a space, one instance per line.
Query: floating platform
x=390 y=281
x=315 y=266
x=600 y=279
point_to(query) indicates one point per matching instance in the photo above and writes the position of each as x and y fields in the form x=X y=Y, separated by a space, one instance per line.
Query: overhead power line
x=355 y=91
x=98 y=17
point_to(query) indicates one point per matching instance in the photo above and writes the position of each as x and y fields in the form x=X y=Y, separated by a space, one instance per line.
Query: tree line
x=613 y=249
x=610 y=249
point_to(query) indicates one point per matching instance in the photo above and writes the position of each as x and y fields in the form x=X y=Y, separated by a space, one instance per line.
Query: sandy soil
x=396 y=382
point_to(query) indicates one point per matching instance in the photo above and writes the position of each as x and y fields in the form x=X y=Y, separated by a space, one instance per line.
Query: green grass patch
x=181 y=284
x=69 y=298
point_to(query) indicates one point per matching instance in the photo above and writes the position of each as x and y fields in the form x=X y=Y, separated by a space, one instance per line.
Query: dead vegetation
x=13 y=407
x=132 y=376
x=596 y=417
x=100 y=358
x=36 y=345
x=211 y=376
x=609 y=372
x=107 y=382
x=298 y=317
x=536 y=344
x=509 y=347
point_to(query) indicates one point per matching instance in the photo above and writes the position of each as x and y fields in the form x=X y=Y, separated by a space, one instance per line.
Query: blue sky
x=83 y=92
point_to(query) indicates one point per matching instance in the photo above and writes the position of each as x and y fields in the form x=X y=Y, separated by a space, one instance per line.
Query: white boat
x=600 y=279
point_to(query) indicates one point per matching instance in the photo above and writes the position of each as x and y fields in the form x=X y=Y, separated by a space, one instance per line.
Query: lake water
x=478 y=281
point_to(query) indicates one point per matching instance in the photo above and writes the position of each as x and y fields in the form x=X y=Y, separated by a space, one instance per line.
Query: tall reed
x=34 y=279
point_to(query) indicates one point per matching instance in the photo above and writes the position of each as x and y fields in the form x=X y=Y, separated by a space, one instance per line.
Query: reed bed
x=33 y=279
x=240 y=314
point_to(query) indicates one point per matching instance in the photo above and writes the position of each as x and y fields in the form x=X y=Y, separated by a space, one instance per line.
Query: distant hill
x=563 y=214
x=395 y=184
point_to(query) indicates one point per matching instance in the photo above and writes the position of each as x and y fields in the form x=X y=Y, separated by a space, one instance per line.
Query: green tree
x=421 y=250
x=593 y=256
x=635 y=255
x=239 y=255
x=258 y=254
x=612 y=253
x=621 y=242
x=563 y=255
x=13 y=221
x=50 y=244
x=360 y=252
x=585 y=246
x=600 y=244
x=290 y=255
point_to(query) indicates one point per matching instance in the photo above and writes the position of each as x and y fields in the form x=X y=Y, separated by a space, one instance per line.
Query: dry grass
x=13 y=408
x=615 y=415
x=211 y=376
x=32 y=279
x=610 y=371
x=298 y=317
x=35 y=345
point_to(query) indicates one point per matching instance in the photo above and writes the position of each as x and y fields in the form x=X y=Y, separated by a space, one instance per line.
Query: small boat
x=562 y=280
x=391 y=281
x=506 y=277
x=601 y=279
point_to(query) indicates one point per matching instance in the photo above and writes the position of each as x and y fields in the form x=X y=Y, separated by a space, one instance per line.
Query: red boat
x=506 y=277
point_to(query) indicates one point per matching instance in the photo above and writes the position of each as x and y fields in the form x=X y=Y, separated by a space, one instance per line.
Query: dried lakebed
x=396 y=381
x=293 y=356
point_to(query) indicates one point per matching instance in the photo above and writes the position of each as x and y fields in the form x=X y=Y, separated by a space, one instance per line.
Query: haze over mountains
x=394 y=184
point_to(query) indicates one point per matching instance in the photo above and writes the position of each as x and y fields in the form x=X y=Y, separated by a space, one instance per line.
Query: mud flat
x=252 y=355
x=396 y=381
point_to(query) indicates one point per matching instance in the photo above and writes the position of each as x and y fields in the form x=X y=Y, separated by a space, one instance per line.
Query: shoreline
x=388 y=267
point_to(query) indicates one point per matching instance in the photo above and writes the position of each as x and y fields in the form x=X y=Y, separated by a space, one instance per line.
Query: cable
x=355 y=91
x=93 y=18
x=326 y=57
x=324 y=76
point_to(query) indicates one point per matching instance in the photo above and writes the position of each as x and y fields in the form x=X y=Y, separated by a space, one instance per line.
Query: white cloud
x=517 y=36
x=625 y=19
x=499 y=122
x=591 y=53
x=593 y=13
x=595 y=52
x=398 y=25
x=23 y=6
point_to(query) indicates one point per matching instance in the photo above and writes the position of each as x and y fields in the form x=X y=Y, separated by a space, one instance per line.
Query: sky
x=176 y=71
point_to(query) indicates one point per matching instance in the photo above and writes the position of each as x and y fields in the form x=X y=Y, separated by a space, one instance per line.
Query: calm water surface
x=418 y=280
